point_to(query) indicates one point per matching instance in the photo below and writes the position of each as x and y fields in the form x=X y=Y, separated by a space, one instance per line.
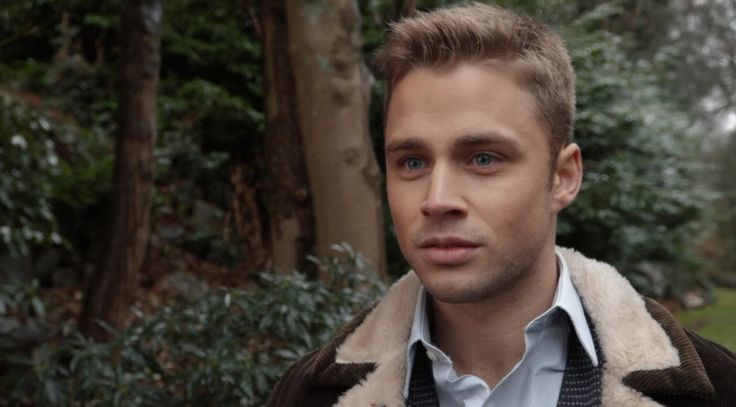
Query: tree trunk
x=109 y=293
x=290 y=214
x=333 y=91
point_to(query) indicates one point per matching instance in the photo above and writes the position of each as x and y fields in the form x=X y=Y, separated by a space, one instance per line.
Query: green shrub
x=226 y=349
x=27 y=167
x=22 y=299
x=51 y=173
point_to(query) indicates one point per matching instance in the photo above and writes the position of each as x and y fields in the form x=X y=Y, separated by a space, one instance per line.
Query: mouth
x=448 y=250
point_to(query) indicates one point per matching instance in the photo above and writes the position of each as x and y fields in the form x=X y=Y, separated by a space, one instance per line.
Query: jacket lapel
x=689 y=378
x=381 y=340
x=324 y=373
x=645 y=349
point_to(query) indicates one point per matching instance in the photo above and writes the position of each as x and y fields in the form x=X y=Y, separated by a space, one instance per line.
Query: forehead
x=441 y=105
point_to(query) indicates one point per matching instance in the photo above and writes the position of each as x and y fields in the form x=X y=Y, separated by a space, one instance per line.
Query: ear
x=568 y=176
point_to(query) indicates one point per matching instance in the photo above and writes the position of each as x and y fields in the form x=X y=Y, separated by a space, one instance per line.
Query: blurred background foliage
x=226 y=348
x=656 y=123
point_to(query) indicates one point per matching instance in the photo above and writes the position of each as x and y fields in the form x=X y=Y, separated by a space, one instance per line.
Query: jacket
x=649 y=359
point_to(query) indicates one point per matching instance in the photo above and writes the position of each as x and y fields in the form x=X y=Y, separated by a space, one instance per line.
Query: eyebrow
x=412 y=143
x=463 y=141
x=481 y=139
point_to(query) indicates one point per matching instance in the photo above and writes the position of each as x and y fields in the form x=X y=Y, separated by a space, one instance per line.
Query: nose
x=444 y=196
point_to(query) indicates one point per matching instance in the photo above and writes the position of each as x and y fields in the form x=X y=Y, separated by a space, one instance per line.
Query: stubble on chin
x=503 y=275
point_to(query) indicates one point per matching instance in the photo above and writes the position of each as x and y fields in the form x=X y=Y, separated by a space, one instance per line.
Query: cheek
x=401 y=206
x=520 y=210
x=402 y=214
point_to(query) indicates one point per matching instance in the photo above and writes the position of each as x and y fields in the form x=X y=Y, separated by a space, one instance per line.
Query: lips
x=448 y=250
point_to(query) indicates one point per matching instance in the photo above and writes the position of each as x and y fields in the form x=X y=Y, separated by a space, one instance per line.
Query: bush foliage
x=225 y=349
x=29 y=165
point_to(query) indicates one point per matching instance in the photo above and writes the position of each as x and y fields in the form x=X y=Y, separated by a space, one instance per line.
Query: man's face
x=468 y=180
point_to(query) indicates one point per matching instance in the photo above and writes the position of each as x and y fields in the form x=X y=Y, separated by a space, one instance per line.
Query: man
x=479 y=162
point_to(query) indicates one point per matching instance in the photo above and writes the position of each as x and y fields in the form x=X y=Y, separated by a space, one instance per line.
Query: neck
x=486 y=338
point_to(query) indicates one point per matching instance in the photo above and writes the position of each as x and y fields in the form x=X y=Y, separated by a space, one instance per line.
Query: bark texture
x=290 y=213
x=332 y=100
x=107 y=297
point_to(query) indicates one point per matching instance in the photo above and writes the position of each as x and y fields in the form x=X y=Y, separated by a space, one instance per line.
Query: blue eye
x=413 y=164
x=483 y=159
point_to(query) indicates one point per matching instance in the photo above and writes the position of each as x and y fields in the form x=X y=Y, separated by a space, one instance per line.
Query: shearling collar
x=641 y=355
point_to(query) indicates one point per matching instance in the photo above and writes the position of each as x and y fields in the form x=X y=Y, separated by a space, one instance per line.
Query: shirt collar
x=566 y=298
x=420 y=326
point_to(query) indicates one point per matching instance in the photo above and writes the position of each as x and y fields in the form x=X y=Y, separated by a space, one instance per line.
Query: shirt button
x=431 y=356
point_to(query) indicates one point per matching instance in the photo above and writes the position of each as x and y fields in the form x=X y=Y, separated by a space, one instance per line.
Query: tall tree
x=332 y=88
x=110 y=289
x=290 y=213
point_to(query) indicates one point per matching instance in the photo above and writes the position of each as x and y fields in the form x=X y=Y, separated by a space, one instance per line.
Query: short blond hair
x=526 y=48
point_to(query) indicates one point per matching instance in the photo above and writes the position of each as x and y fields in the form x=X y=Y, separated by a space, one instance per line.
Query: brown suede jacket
x=650 y=360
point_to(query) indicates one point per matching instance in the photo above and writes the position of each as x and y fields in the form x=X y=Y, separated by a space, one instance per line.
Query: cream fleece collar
x=630 y=339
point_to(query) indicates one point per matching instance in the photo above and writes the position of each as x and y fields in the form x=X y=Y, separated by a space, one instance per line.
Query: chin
x=467 y=283
x=457 y=295
x=456 y=286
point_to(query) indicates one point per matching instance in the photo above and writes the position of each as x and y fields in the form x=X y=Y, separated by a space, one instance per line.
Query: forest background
x=167 y=166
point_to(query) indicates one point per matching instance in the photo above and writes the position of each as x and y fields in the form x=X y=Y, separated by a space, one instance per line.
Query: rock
x=693 y=299
x=207 y=217
x=184 y=285
x=64 y=277
x=15 y=336
x=46 y=262
x=169 y=230
x=13 y=268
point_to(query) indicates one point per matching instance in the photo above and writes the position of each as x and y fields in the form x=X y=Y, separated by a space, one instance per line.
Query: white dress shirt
x=536 y=378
